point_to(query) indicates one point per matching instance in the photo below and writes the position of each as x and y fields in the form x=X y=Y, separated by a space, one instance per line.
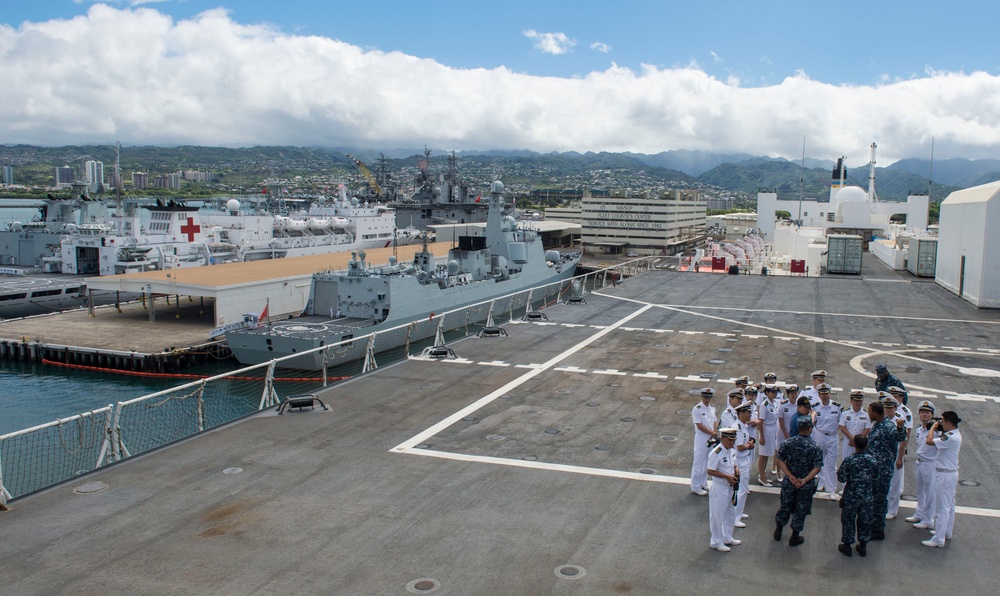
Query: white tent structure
x=968 y=258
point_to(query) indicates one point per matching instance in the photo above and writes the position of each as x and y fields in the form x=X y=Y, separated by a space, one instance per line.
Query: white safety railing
x=38 y=457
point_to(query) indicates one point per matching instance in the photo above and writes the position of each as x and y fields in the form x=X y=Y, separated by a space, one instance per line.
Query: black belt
x=922 y=460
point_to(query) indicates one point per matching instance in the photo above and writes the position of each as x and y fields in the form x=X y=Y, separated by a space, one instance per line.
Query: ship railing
x=42 y=456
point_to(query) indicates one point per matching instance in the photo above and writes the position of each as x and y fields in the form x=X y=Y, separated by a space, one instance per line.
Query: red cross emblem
x=190 y=229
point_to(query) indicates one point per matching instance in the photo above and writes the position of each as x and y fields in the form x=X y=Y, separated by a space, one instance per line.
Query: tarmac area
x=554 y=460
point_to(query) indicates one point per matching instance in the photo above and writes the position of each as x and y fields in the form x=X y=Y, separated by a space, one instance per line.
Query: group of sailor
x=763 y=417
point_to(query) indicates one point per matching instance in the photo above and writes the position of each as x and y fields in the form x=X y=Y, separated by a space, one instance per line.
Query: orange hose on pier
x=136 y=373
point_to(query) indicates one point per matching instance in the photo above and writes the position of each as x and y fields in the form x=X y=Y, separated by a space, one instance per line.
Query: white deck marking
x=515 y=383
x=572 y=369
x=651 y=375
x=495 y=363
x=610 y=371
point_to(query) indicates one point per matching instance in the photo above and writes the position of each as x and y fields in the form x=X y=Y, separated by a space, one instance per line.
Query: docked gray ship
x=443 y=198
x=364 y=299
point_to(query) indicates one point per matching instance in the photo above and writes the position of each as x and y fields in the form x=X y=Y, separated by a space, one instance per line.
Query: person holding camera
x=744 y=458
x=923 y=517
x=945 y=476
x=721 y=466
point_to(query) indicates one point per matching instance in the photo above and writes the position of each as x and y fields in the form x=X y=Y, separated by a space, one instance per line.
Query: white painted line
x=572 y=325
x=718 y=334
x=572 y=369
x=452 y=360
x=884 y=344
x=973 y=397
x=601 y=472
x=495 y=363
x=632 y=328
x=651 y=375
x=920 y=346
x=610 y=371
x=751 y=336
x=691 y=332
x=955 y=348
x=693 y=378
x=818 y=340
x=663 y=330
x=598 y=326
x=782 y=338
x=527 y=366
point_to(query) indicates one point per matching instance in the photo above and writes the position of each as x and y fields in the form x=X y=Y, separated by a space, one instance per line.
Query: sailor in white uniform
x=908 y=422
x=945 y=476
x=744 y=459
x=721 y=466
x=705 y=427
x=853 y=421
x=818 y=378
x=891 y=412
x=729 y=417
x=826 y=429
x=767 y=425
x=923 y=517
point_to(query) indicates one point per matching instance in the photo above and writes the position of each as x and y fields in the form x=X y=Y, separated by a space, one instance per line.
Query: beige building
x=659 y=225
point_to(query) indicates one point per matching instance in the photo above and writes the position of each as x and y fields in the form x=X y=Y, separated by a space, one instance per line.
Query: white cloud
x=551 y=43
x=142 y=78
x=600 y=46
x=715 y=57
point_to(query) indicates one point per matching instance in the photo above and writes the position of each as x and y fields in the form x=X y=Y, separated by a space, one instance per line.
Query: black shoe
x=845 y=549
x=862 y=548
x=795 y=539
x=777 y=533
x=878 y=534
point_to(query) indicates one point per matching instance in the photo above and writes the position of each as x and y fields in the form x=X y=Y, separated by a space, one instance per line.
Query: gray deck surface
x=392 y=486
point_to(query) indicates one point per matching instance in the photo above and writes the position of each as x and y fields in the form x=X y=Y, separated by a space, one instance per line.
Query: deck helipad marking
x=572 y=369
x=610 y=371
x=527 y=365
x=513 y=384
x=495 y=363
x=651 y=375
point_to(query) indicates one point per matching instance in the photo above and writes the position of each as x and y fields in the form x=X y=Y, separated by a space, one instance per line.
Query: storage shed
x=968 y=258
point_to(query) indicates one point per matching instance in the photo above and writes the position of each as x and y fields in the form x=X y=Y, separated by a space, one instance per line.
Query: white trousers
x=721 y=512
x=699 y=464
x=924 y=475
x=741 y=501
x=846 y=450
x=895 y=488
x=944 y=504
x=827 y=477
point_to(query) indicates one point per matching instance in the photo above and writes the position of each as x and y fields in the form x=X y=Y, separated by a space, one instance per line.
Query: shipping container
x=843 y=254
x=921 y=257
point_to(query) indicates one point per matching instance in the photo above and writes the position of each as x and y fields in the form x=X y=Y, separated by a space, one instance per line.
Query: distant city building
x=94 y=174
x=64 y=176
x=571 y=214
x=140 y=180
x=196 y=176
x=720 y=204
x=661 y=225
x=8 y=175
x=172 y=181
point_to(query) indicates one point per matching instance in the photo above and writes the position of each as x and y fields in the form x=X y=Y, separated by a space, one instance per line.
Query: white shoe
x=739 y=524
x=734 y=542
x=744 y=516
x=820 y=488
x=890 y=516
x=912 y=519
x=922 y=525
x=764 y=481
x=834 y=497
x=722 y=548
x=700 y=492
x=931 y=544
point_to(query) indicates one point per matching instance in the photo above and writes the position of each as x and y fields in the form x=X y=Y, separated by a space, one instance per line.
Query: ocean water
x=33 y=393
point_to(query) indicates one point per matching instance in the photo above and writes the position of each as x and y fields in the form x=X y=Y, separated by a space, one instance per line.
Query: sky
x=644 y=76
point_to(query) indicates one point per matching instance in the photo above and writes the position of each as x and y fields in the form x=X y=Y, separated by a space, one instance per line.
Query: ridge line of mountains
x=735 y=172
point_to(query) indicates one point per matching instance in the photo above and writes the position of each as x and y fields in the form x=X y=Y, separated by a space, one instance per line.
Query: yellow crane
x=369 y=176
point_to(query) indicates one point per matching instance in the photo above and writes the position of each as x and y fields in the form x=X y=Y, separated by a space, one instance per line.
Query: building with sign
x=661 y=225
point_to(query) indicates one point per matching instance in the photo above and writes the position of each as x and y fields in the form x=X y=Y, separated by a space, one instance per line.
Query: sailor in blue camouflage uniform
x=800 y=459
x=883 y=445
x=885 y=379
x=858 y=471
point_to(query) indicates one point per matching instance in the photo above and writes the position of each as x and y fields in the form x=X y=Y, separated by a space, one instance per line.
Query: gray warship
x=345 y=305
x=437 y=199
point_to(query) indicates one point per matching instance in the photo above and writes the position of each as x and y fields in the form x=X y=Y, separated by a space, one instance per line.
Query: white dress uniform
x=767 y=413
x=812 y=394
x=924 y=476
x=787 y=410
x=945 y=481
x=728 y=418
x=855 y=421
x=825 y=434
x=896 y=486
x=721 y=511
x=706 y=416
x=744 y=459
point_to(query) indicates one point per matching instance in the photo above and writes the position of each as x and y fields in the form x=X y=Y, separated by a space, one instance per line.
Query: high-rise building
x=94 y=172
x=64 y=176
x=659 y=225
x=8 y=175
x=140 y=180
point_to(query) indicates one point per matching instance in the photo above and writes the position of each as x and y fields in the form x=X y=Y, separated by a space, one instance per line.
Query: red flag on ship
x=263 y=313
x=479 y=198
